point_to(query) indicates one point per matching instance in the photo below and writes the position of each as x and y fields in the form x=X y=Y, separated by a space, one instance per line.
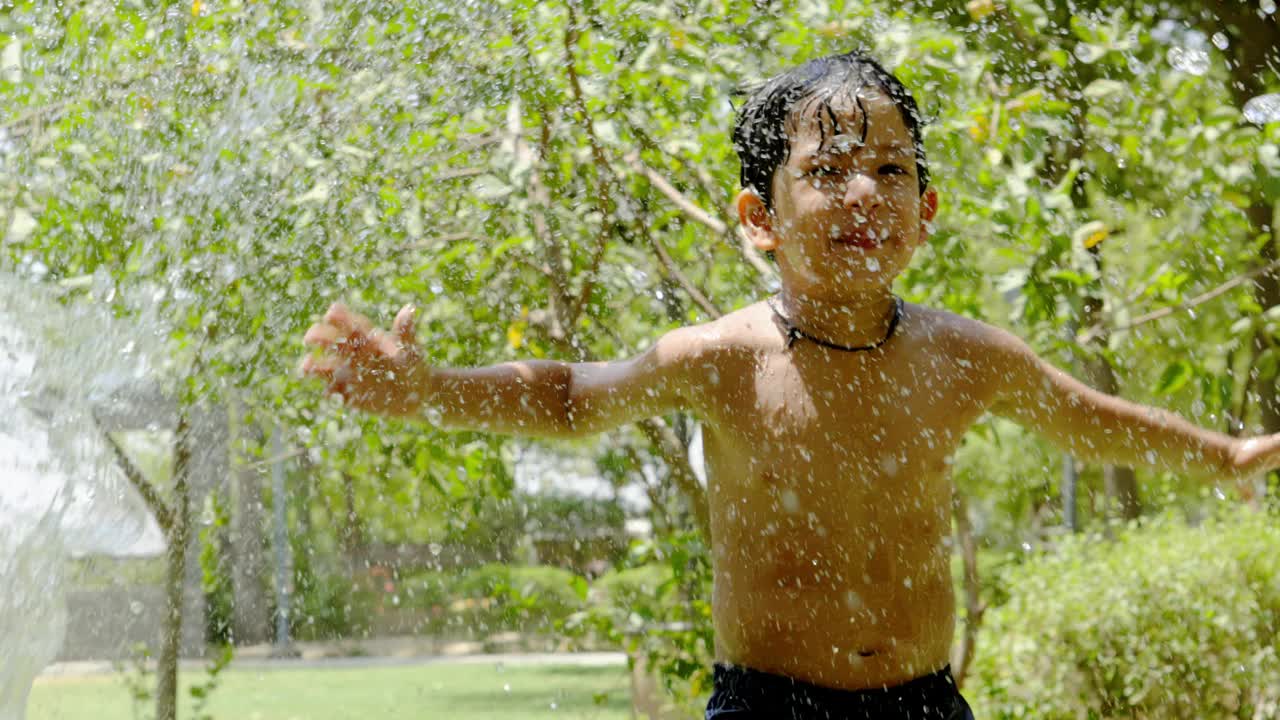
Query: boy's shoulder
x=755 y=329
x=964 y=338
x=749 y=328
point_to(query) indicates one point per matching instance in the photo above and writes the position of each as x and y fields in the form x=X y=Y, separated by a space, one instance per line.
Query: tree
x=551 y=179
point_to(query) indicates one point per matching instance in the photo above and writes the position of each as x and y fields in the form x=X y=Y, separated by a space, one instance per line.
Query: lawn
x=422 y=692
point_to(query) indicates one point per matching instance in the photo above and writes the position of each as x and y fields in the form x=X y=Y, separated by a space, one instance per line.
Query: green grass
x=435 y=692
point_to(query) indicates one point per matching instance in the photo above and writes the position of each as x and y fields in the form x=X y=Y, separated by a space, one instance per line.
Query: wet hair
x=760 y=131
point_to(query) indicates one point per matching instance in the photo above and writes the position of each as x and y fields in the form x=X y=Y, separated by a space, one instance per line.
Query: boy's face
x=847 y=216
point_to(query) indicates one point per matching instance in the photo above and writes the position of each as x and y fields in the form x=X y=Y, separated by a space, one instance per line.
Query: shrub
x=329 y=606
x=1165 y=621
x=528 y=599
x=625 y=588
x=428 y=589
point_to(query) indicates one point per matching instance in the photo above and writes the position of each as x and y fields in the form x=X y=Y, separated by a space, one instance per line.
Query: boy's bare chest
x=872 y=413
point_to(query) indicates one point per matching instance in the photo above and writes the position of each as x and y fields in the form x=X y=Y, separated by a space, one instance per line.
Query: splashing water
x=1263 y=109
x=1190 y=60
x=59 y=496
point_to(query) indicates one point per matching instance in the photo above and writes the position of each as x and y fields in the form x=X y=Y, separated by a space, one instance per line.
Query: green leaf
x=580 y=587
x=1175 y=375
x=1102 y=88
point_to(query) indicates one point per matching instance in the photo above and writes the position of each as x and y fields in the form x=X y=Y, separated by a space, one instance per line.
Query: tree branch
x=676 y=456
x=603 y=174
x=974 y=607
x=459 y=173
x=560 y=303
x=674 y=272
x=447 y=237
x=150 y=495
x=686 y=205
x=1098 y=329
x=700 y=216
x=35 y=114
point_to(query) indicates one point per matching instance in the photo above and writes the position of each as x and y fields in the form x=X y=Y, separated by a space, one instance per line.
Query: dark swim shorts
x=745 y=694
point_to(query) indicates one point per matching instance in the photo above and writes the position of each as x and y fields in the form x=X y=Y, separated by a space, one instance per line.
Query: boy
x=830 y=413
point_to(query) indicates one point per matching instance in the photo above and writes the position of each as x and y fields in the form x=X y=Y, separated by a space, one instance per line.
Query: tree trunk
x=963 y=653
x=1267 y=293
x=1252 y=54
x=171 y=639
x=175 y=573
x=354 y=545
x=251 y=617
x=1120 y=483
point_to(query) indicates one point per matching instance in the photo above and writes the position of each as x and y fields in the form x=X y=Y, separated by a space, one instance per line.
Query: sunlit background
x=184 y=188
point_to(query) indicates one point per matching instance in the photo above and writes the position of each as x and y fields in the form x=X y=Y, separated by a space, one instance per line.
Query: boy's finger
x=347 y=322
x=322 y=335
x=403 y=327
x=323 y=368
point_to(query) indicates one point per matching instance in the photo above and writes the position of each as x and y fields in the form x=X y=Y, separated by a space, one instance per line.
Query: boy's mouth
x=866 y=239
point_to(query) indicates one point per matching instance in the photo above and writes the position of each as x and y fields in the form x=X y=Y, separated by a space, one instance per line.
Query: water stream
x=61 y=495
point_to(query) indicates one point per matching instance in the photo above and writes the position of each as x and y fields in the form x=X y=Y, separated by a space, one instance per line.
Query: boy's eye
x=892 y=169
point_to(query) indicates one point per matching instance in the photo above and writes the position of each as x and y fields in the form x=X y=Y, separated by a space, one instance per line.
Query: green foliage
x=659 y=610
x=495 y=598
x=1166 y=620
x=624 y=589
x=135 y=673
x=215 y=575
x=219 y=172
x=201 y=692
x=328 y=606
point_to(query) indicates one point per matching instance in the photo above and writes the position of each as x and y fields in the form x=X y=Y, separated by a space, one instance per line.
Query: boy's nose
x=860 y=191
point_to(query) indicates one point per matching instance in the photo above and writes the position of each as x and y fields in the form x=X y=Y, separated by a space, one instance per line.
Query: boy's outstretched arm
x=1101 y=428
x=383 y=372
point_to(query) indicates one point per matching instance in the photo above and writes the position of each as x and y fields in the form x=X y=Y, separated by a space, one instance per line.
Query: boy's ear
x=928 y=210
x=756 y=220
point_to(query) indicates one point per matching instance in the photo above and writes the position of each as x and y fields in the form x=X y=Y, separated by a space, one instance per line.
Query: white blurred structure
x=59 y=492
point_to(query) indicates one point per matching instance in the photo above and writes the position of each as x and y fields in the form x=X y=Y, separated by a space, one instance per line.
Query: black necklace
x=794 y=332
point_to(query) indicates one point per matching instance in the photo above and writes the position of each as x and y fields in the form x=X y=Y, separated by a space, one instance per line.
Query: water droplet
x=873 y=265
x=1267 y=6
x=1263 y=109
x=1089 y=53
x=1193 y=61
x=437 y=287
x=135 y=607
x=889 y=464
x=790 y=501
x=1220 y=41
x=506 y=687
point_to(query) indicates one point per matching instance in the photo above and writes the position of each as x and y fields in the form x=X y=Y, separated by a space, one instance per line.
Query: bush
x=428 y=589
x=329 y=606
x=623 y=589
x=528 y=599
x=1165 y=621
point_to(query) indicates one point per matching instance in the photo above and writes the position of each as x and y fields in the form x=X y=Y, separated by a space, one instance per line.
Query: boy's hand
x=1253 y=457
x=370 y=369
